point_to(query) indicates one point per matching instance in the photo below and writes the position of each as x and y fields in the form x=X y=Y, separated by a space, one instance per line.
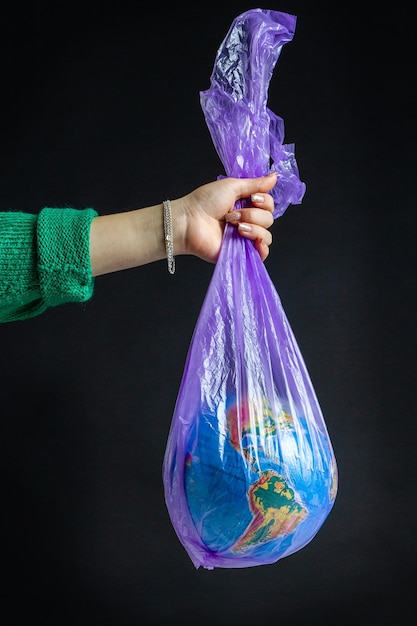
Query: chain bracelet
x=169 y=237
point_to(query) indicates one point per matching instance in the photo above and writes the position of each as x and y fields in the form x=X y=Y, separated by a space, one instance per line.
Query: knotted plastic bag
x=249 y=471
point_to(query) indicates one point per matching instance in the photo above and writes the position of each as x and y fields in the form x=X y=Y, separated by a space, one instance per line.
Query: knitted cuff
x=64 y=255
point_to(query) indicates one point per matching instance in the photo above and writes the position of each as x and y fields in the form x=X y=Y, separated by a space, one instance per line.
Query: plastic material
x=249 y=471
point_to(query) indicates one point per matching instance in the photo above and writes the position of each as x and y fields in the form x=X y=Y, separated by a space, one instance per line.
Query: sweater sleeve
x=44 y=260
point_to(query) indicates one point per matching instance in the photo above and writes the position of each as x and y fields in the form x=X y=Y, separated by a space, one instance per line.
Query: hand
x=200 y=217
x=131 y=238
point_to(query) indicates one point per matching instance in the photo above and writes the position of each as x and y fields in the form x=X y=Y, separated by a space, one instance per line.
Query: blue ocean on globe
x=258 y=484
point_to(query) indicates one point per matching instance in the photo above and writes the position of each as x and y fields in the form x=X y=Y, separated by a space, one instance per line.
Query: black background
x=100 y=107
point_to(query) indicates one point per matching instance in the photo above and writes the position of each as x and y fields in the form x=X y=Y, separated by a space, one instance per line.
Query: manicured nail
x=257 y=197
x=233 y=216
x=245 y=227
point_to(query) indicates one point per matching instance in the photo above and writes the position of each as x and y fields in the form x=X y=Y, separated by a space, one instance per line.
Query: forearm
x=132 y=238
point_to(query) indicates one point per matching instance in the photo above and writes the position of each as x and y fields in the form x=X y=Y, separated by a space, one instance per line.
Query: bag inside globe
x=249 y=470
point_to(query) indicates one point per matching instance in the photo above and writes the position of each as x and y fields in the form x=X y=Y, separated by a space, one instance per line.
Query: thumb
x=248 y=186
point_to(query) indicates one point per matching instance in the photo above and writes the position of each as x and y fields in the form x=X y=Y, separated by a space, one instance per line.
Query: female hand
x=132 y=238
x=201 y=216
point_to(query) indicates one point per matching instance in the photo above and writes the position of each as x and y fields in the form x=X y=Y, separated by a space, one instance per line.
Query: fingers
x=262 y=248
x=253 y=222
x=255 y=233
x=265 y=203
x=261 y=237
x=259 y=217
x=262 y=216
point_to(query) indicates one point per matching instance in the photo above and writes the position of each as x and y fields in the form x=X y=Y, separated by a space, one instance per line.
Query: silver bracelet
x=169 y=237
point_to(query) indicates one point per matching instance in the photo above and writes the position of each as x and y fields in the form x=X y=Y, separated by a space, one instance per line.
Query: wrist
x=179 y=227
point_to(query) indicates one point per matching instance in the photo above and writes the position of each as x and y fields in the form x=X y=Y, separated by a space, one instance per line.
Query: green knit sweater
x=44 y=260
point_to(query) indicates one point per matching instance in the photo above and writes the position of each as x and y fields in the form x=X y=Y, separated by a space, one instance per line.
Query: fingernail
x=233 y=216
x=272 y=174
x=257 y=197
x=245 y=227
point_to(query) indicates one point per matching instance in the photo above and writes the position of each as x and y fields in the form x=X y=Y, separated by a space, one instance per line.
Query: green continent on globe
x=275 y=511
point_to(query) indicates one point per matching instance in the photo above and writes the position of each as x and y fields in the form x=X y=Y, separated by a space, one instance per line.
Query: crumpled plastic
x=249 y=470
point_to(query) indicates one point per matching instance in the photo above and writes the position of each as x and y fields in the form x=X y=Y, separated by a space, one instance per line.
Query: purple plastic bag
x=249 y=471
